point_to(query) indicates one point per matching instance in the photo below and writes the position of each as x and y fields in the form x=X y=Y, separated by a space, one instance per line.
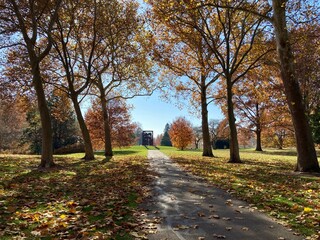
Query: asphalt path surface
x=191 y=208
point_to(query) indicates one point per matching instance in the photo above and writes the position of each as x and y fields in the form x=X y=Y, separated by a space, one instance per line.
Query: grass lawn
x=265 y=179
x=83 y=200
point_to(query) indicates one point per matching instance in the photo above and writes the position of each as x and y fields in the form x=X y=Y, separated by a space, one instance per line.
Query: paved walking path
x=192 y=209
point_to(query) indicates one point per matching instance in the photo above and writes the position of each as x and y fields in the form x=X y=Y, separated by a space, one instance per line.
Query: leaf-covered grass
x=77 y=200
x=266 y=179
x=125 y=151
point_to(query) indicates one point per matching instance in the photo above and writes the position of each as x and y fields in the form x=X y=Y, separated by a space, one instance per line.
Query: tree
x=187 y=61
x=138 y=134
x=181 y=133
x=122 y=129
x=278 y=129
x=65 y=130
x=213 y=129
x=32 y=133
x=234 y=42
x=12 y=122
x=33 y=22
x=122 y=67
x=68 y=40
x=64 y=125
x=157 y=140
x=259 y=92
x=230 y=37
x=245 y=136
x=165 y=140
x=197 y=133
x=307 y=158
x=306 y=49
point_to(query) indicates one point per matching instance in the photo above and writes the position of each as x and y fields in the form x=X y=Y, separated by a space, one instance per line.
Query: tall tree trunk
x=89 y=154
x=234 y=145
x=258 y=134
x=107 y=132
x=46 y=126
x=258 y=129
x=307 y=159
x=207 y=149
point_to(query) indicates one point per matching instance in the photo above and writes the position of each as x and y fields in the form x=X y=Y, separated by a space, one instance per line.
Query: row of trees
x=181 y=134
x=20 y=123
x=225 y=52
x=79 y=47
x=223 y=49
x=21 y=127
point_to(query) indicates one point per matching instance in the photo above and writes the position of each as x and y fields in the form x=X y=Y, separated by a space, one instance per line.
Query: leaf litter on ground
x=78 y=200
x=266 y=181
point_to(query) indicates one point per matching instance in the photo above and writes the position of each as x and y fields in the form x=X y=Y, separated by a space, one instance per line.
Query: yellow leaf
x=71 y=204
x=307 y=210
x=36 y=217
x=63 y=224
x=63 y=216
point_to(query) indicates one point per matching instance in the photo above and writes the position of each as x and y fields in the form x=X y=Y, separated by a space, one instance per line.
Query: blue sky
x=153 y=113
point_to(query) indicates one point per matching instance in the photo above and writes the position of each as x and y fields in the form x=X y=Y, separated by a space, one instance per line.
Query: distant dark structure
x=222 y=144
x=147 y=138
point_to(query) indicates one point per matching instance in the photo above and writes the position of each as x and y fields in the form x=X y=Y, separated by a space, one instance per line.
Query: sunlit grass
x=77 y=199
x=265 y=179
x=122 y=152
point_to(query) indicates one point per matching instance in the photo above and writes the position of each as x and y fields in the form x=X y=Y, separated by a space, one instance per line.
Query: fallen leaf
x=201 y=214
x=219 y=236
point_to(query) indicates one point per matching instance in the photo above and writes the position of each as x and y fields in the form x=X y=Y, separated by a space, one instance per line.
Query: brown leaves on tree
x=122 y=129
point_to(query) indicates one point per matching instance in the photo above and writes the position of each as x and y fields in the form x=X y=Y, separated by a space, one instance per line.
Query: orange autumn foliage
x=181 y=133
x=122 y=130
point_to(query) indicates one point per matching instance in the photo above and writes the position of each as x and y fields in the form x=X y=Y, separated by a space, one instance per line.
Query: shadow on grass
x=118 y=152
x=284 y=152
x=77 y=195
x=280 y=152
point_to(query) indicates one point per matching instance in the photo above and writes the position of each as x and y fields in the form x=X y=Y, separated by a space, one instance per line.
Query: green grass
x=132 y=151
x=89 y=200
x=265 y=179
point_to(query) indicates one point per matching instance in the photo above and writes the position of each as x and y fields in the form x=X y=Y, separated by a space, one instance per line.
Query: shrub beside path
x=191 y=208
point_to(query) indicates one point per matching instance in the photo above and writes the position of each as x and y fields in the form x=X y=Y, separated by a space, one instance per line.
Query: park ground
x=100 y=199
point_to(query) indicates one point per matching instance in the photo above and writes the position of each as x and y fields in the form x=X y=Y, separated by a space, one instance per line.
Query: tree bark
x=207 y=149
x=46 y=128
x=107 y=132
x=89 y=154
x=258 y=134
x=307 y=159
x=234 y=145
